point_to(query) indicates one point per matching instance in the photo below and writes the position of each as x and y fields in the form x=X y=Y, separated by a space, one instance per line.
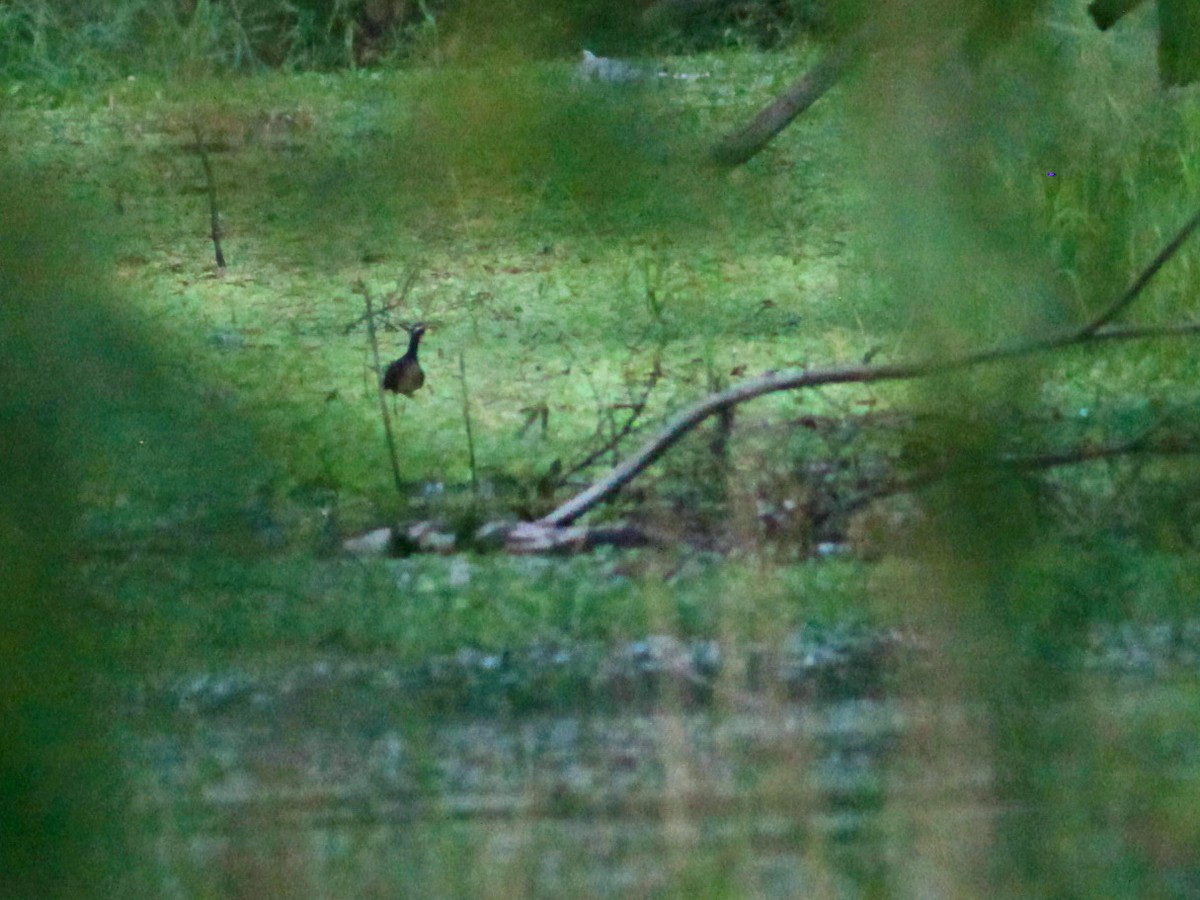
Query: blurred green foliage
x=61 y=354
x=979 y=167
x=567 y=243
x=90 y=418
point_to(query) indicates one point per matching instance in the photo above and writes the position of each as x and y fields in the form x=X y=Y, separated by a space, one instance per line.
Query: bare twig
x=793 y=379
x=211 y=186
x=636 y=408
x=397 y=300
x=1131 y=293
x=466 y=398
x=383 y=407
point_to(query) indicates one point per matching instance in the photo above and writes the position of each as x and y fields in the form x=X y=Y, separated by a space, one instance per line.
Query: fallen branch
x=1171 y=444
x=741 y=146
x=795 y=379
x=1131 y=293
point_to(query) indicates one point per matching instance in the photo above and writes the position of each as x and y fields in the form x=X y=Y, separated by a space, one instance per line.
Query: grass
x=412 y=609
x=562 y=278
x=271 y=447
x=565 y=257
x=574 y=304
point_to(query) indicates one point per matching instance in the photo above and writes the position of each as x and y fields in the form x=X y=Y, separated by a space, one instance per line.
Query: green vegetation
x=573 y=289
x=187 y=450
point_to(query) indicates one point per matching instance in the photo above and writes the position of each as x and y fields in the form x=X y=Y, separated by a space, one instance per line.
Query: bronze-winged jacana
x=404 y=376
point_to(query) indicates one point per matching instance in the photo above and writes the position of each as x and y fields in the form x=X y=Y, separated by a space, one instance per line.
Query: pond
x=334 y=778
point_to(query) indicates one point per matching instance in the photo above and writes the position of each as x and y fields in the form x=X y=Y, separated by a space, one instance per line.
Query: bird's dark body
x=405 y=376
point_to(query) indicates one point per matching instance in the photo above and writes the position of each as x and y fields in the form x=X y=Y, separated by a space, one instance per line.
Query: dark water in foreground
x=280 y=792
x=605 y=803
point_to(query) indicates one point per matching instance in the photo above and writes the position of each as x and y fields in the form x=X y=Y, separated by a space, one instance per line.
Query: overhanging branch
x=796 y=379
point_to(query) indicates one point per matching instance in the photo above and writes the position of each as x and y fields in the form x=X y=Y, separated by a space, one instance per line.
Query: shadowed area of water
x=596 y=802
x=350 y=777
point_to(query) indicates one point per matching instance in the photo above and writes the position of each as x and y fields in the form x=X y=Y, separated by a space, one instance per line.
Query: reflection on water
x=353 y=794
x=606 y=804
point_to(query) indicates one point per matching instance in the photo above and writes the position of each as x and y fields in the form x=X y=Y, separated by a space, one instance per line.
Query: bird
x=404 y=376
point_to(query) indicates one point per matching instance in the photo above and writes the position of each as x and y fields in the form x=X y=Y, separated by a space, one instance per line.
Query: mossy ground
x=568 y=246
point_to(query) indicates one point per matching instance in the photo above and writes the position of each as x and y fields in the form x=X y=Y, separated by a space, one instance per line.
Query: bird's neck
x=412 y=344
